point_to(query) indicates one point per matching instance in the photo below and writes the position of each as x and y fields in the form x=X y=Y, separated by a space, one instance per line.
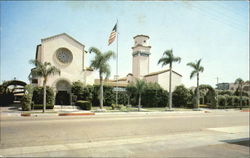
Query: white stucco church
x=69 y=55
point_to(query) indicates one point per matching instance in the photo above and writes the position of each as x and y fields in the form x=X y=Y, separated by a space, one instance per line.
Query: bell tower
x=141 y=52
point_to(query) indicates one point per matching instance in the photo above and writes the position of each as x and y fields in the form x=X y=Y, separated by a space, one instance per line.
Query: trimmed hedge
x=26 y=101
x=40 y=106
x=84 y=105
x=181 y=96
x=38 y=95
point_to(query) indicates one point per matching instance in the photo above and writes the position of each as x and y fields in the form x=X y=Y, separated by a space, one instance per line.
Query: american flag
x=113 y=34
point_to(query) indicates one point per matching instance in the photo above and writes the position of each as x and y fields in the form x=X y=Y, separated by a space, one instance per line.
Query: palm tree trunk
x=198 y=92
x=170 y=90
x=44 y=96
x=240 y=97
x=139 y=104
x=101 y=93
x=128 y=100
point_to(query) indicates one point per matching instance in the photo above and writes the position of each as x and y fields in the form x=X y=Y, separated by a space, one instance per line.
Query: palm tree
x=197 y=69
x=140 y=86
x=169 y=58
x=240 y=83
x=130 y=89
x=101 y=63
x=43 y=70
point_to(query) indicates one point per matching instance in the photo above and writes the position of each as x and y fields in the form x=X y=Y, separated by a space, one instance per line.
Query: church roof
x=62 y=34
x=141 y=35
x=111 y=83
x=160 y=72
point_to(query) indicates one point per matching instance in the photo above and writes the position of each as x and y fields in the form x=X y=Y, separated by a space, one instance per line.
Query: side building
x=141 y=65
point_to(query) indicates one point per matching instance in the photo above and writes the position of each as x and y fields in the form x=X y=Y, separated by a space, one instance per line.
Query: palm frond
x=198 y=63
x=109 y=54
x=164 y=61
x=193 y=73
x=168 y=58
x=140 y=86
x=53 y=70
x=239 y=81
x=95 y=50
x=201 y=69
x=191 y=64
x=177 y=59
x=168 y=53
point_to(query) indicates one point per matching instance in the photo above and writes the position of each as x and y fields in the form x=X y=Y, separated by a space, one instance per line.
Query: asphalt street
x=166 y=134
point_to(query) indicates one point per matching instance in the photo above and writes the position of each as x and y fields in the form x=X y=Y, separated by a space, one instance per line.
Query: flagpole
x=116 y=93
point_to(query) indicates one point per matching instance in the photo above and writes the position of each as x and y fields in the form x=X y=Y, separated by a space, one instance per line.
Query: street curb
x=245 y=111
x=75 y=114
x=25 y=114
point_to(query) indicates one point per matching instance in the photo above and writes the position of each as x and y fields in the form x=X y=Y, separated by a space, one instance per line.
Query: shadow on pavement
x=242 y=141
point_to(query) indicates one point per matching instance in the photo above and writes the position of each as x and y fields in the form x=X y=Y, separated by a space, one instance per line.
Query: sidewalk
x=66 y=111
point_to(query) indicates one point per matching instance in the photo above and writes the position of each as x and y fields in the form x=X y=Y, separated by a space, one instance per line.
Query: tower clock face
x=64 y=56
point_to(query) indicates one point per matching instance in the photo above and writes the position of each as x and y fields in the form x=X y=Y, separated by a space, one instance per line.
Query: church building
x=69 y=55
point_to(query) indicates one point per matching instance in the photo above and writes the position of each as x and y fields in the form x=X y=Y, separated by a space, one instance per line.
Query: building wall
x=136 y=66
x=140 y=65
x=141 y=48
x=152 y=78
x=89 y=78
x=163 y=80
x=71 y=72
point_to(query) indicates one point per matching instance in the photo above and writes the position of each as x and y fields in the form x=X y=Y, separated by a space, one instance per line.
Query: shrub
x=27 y=98
x=221 y=101
x=181 y=96
x=230 y=101
x=236 y=101
x=117 y=107
x=225 y=92
x=77 y=89
x=85 y=105
x=108 y=95
x=245 y=101
x=154 y=96
x=38 y=96
x=82 y=92
x=40 y=106
x=122 y=98
x=26 y=102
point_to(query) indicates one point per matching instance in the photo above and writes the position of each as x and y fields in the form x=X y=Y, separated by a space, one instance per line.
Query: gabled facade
x=68 y=55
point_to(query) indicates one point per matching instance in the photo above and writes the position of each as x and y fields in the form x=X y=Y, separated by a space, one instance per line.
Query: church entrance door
x=63 y=89
x=62 y=98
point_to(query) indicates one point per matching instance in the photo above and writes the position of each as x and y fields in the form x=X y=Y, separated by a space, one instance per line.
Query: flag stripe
x=112 y=35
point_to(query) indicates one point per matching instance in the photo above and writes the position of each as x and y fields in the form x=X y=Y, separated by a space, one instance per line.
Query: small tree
x=169 y=58
x=240 y=83
x=43 y=70
x=100 y=63
x=197 y=68
x=140 y=86
x=130 y=89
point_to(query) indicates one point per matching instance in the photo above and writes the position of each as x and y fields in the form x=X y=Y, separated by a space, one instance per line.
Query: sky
x=215 y=31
